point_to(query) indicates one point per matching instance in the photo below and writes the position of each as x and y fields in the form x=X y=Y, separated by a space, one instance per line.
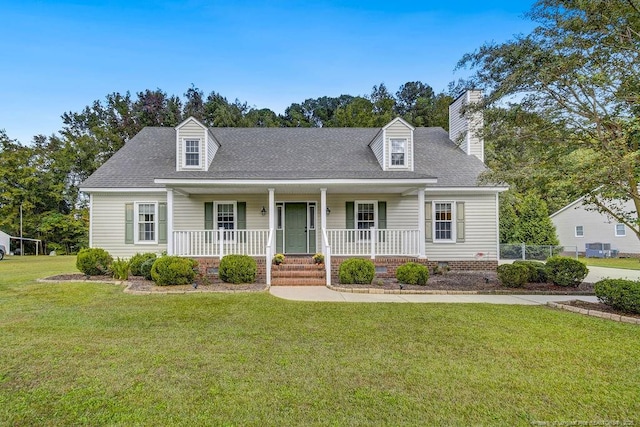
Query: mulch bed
x=474 y=281
x=140 y=284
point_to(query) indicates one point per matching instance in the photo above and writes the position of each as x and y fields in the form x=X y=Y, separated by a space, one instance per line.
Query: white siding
x=212 y=149
x=190 y=130
x=377 y=146
x=464 y=130
x=598 y=228
x=109 y=223
x=402 y=213
x=398 y=130
x=481 y=232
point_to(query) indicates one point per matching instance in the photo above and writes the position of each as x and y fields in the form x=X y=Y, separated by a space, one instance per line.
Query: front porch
x=371 y=220
x=260 y=244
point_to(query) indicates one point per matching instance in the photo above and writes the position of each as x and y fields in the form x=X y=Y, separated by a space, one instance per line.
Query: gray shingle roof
x=285 y=153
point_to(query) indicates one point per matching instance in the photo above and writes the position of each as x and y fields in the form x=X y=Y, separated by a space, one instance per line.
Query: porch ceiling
x=298 y=188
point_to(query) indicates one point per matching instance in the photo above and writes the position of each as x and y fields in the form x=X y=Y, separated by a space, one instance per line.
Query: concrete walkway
x=322 y=293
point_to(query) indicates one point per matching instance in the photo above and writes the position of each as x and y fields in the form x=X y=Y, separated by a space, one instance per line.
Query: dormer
x=195 y=146
x=393 y=146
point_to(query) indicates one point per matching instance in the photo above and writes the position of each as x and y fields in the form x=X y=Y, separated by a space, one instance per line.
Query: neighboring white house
x=393 y=194
x=577 y=226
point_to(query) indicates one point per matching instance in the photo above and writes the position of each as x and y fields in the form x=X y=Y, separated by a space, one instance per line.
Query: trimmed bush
x=120 y=269
x=412 y=273
x=94 y=261
x=357 y=271
x=537 y=271
x=513 y=275
x=145 y=268
x=238 y=269
x=565 y=271
x=173 y=270
x=137 y=260
x=620 y=294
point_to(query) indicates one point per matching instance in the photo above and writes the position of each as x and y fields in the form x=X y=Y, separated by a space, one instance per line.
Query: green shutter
x=241 y=207
x=382 y=219
x=128 y=223
x=208 y=220
x=350 y=220
x=460 y=222
x=208 y=216
x=382 y=215
x=162 y=222
x=428 y=222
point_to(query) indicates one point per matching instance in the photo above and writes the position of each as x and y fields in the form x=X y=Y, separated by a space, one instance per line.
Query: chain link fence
x=535 y=252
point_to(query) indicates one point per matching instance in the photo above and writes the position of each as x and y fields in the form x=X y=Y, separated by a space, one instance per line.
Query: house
x=392 y=194
x=576 y=226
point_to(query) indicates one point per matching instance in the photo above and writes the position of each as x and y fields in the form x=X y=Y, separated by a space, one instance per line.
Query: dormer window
x=192 y=153
x=399 y=152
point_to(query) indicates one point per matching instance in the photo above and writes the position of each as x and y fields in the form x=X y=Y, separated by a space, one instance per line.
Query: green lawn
x=625 y=263
x=88 y=354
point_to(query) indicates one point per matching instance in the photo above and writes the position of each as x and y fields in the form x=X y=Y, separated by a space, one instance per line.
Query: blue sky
x=60 y=56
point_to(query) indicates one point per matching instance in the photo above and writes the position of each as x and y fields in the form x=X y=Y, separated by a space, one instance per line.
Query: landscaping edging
x=595 y=313
x=128 y=286
x=445 y=292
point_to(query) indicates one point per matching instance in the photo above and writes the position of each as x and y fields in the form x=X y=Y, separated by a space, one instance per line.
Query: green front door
x=295 y=228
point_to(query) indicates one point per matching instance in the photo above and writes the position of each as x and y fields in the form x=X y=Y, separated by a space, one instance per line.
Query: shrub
x=278 y=259
x=145 y=268
x=412 y=273
x=565 y=271
x=94 y=261
x=173 y=270
x=238 y=269
x=537 y=272
x=620 y=294
x=137 y=260
x=120 y=269
x=513 y=275
x=357 y=270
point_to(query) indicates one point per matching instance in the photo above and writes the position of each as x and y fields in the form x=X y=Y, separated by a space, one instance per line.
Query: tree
x=580 y=71
x=525 y=219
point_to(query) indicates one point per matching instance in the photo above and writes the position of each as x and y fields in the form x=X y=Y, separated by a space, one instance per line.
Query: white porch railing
x=217 y=243
x=373 y=242
x=270 y=252
x=327 y=255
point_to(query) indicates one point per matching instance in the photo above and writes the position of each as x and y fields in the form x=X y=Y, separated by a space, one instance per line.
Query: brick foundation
x=205 y=265
x=392 y=263
x=385 y=266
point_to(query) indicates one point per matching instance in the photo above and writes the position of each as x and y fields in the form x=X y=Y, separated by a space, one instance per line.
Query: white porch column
x=272 y=209
x=169 y=221
x=323 y=208
x=422 y=252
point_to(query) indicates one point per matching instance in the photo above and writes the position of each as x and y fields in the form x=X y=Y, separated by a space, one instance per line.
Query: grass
x=88 y=354
x=624 y=263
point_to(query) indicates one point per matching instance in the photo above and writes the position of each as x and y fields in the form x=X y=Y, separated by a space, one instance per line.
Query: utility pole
x=21 y=241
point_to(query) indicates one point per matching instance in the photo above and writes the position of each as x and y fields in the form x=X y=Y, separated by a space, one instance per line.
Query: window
x=279 y=217
x=621 y=231
x=398 y=152
x=365 y=219
x=443 y=223
x=146 y=223
x=226 y=218
x=192 y=152
x=312 y=216
x=579 y=231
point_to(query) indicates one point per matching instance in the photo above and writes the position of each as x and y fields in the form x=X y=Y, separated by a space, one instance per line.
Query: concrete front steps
x=298 y=271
